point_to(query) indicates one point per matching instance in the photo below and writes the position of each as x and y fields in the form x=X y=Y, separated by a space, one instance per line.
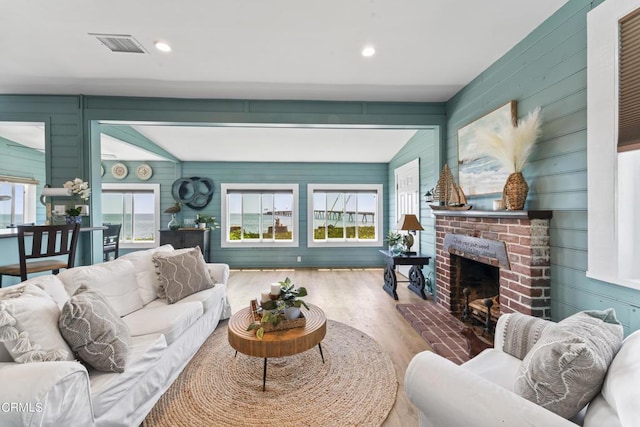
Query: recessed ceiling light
x=368 y=51
x=162 y=46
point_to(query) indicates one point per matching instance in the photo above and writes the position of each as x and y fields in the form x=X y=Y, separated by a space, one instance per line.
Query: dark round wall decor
x=194 y=192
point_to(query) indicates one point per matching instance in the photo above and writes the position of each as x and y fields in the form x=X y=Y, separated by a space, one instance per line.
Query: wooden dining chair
x=111 y=241
x=47 y=241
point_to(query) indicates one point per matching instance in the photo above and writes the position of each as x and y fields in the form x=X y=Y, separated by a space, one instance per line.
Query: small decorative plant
x=273 y=310
x=393 y=238
x=74 y=211
x=210 y=221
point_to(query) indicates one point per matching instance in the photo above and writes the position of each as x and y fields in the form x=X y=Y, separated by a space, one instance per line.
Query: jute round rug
x=356 y=386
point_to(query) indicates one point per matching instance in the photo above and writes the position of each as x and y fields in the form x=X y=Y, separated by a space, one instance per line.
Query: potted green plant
x=206 y=221
x=395 y=241
x=285 y=307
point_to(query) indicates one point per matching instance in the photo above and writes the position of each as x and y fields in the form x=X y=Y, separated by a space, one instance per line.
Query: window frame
x=225 y=188
x=608 y=252
x=156 y=208
x=378 y=241
x=30 y=198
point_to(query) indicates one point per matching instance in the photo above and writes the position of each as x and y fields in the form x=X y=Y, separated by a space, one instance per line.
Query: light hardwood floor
x=354 y=297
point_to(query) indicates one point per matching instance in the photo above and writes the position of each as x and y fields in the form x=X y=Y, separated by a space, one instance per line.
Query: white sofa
x=164 y=339
x=480 y=392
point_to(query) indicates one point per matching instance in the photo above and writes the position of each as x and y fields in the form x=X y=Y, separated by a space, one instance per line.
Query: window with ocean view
x=259 y=215
x=20 y=207
x=344 y=215
x=137 y=208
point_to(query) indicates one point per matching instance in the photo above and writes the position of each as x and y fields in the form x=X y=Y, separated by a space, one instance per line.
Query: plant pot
x=515 y=192
x=292 y=313
x=73 y=219
x=202 y=225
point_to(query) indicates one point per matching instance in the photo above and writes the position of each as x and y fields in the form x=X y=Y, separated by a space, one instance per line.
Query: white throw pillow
x=116 y=280
x=146 y=271
x=53 y=286
x=182 y=273
x=29 y=325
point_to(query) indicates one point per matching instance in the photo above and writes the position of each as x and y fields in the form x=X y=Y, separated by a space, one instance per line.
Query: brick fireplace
x=515 y=243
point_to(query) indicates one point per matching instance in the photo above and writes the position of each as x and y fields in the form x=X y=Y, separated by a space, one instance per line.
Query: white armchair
x=480 y=392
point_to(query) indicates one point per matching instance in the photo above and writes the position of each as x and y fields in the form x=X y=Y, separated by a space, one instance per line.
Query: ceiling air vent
x=120 y=43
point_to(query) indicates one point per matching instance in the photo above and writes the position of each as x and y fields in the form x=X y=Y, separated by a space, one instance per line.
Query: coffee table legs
x=264 y=375
x=264 y=371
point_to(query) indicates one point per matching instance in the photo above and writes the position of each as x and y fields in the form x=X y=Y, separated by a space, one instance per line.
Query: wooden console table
x=416 y=278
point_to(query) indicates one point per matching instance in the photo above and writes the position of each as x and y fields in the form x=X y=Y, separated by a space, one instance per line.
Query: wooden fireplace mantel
x=496 y=214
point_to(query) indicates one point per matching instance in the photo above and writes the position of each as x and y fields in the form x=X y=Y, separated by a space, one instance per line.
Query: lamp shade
x=408 y=222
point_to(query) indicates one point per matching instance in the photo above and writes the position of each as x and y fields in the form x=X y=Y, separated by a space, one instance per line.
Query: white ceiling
x=247 y=49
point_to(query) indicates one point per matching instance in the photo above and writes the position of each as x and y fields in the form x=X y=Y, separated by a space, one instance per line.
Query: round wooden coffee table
x=277 y=343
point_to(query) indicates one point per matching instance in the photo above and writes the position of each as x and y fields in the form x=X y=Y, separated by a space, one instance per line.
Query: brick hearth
x=525 y=282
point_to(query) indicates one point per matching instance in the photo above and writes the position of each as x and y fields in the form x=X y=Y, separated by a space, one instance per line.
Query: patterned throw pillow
x=94 y=331
x=182 y=273
x=29 y=325
x=566 y=367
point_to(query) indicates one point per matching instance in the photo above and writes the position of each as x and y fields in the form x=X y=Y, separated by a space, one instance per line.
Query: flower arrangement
x=511 y=145
x=79 y=190
x=277 y=307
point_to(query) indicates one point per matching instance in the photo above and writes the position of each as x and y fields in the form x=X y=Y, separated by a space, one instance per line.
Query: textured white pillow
x=116 y=280
x=29 y=325
x=146 y=271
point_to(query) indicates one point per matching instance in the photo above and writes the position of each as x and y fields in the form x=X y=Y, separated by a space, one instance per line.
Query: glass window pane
x=251 y=216
x=234 y=216
x=335 y=215
x=367 y=205
x=5 y=205
x=319 y=215
x=144 y=217
x=268 y=216
x=282 y=204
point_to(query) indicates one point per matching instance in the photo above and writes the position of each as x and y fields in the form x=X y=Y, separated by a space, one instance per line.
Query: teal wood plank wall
x=425 y=146
x=548 y=69
x=289 y=173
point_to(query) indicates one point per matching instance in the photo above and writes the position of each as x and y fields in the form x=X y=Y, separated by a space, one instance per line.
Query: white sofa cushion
x=116 y=280
x=171 y=320
x=146 y=275
x=619 y=390
x=107 y=388
x=496 y=366
x=52 y=285
x=29 y=325
x=95 y=331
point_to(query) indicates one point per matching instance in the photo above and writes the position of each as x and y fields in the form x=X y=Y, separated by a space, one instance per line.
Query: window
x=137 y=208
x=20 y=208
x=613 y=159
x=344 y=215
x=255 y=215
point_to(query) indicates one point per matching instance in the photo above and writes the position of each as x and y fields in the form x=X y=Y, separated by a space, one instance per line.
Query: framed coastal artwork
x=478 y=173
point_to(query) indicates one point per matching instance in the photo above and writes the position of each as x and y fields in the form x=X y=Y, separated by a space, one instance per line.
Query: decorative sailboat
x=447 y=195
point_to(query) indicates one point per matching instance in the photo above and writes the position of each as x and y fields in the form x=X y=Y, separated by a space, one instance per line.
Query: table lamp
x=409 y=223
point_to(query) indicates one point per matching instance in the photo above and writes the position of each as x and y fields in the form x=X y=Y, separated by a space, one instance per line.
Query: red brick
x=498 y=228
x=509 y=238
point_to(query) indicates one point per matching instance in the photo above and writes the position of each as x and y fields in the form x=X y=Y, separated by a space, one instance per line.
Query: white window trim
x=156 y=208
x=311 y=243
x=225 y=243
x=30 y=196
x=604 y=190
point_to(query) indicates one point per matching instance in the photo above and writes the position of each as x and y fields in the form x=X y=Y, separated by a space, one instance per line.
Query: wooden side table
x=277 y=343
x=416 y=278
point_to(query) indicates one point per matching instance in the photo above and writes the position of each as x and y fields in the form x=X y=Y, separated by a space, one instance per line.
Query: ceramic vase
x=292 y=313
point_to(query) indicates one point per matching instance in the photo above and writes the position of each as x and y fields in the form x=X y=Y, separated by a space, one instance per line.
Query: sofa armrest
x=44 y=393
x=448 y=395
x=218 y=272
